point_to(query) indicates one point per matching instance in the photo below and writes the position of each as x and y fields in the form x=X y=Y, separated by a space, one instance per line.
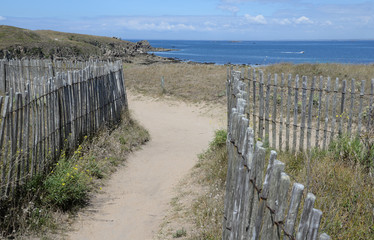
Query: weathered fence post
x=310 y=113
x=303 y=114
x=288 y=112
x=274 y=115
x=267 y=111
x=326 y=112
x=362 y=93
x=2 y=77
x=320 y=89
x=261 y=108
x=344 y=86
x=295 y=114
x=281 y=121
x=334 y=115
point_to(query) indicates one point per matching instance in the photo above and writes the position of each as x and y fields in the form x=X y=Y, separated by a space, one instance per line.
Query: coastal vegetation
x=207 y=82
x=343 y=188
x=184 y=81
x=48 y=202
x=333 y=70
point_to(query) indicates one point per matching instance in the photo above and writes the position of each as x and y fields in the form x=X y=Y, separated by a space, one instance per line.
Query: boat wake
x=301 y=52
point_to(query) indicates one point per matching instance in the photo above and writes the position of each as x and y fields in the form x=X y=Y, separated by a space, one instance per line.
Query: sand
x=135 y=200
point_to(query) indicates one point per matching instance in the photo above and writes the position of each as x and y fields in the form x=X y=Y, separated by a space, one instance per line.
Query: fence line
x=14 y=74
x=256 y=204
x=307 y=113
x=38 y=124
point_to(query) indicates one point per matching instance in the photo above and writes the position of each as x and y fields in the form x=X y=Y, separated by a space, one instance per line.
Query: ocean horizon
x=268 y=52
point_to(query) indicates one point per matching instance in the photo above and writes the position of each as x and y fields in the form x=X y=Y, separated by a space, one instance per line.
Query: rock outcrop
x=22 y=43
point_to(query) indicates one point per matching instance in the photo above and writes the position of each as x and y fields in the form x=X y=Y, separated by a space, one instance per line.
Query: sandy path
x=136 y=198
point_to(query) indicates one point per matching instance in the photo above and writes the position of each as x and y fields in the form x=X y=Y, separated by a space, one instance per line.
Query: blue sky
x=198 y=19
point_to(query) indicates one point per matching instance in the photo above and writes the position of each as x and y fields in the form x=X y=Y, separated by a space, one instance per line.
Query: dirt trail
x=136 y=198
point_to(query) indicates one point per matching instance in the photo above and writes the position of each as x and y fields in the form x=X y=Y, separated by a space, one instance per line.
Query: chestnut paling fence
x=15 y=74
x=296 y=113
x=49 y=107
x=258 y=204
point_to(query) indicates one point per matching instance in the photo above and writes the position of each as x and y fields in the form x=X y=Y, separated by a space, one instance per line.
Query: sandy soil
x=135 y=200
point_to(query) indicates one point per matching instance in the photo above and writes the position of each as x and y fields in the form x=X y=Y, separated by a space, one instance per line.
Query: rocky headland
x=23 y=43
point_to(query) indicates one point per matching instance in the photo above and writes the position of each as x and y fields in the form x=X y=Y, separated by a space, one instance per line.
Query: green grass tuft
x=180 y=233
x=219 y=140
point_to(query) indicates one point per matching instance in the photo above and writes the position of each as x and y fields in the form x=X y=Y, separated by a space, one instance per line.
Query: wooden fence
x=293 y=113
x=14 y=74
x=255 y=205
x=52 y=113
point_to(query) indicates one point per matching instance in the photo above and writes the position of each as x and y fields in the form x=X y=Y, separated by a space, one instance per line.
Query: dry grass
x=341 y=71
x=344 y=193
x=191 y=82
x=206 y=82
x=207 y=210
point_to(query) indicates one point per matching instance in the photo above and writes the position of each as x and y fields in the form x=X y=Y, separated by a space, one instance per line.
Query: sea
x=268 y=52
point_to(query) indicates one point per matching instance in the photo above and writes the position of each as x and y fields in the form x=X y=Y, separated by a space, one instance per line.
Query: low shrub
x=68 y=185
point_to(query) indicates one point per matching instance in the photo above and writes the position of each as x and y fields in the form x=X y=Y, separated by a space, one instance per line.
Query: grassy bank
x=188 y=82
x=24 y=43
x=47 y=201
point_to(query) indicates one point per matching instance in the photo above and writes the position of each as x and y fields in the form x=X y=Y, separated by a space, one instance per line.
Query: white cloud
x=327 y=23
x=2 y=18
x=229 y=8
x=365 y=19
x=155 y=26
x=255 y=19
x=302 y=20
x=284 y=21
x=210 y=24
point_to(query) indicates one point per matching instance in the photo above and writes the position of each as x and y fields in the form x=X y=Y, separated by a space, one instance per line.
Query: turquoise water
x=268 y=52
